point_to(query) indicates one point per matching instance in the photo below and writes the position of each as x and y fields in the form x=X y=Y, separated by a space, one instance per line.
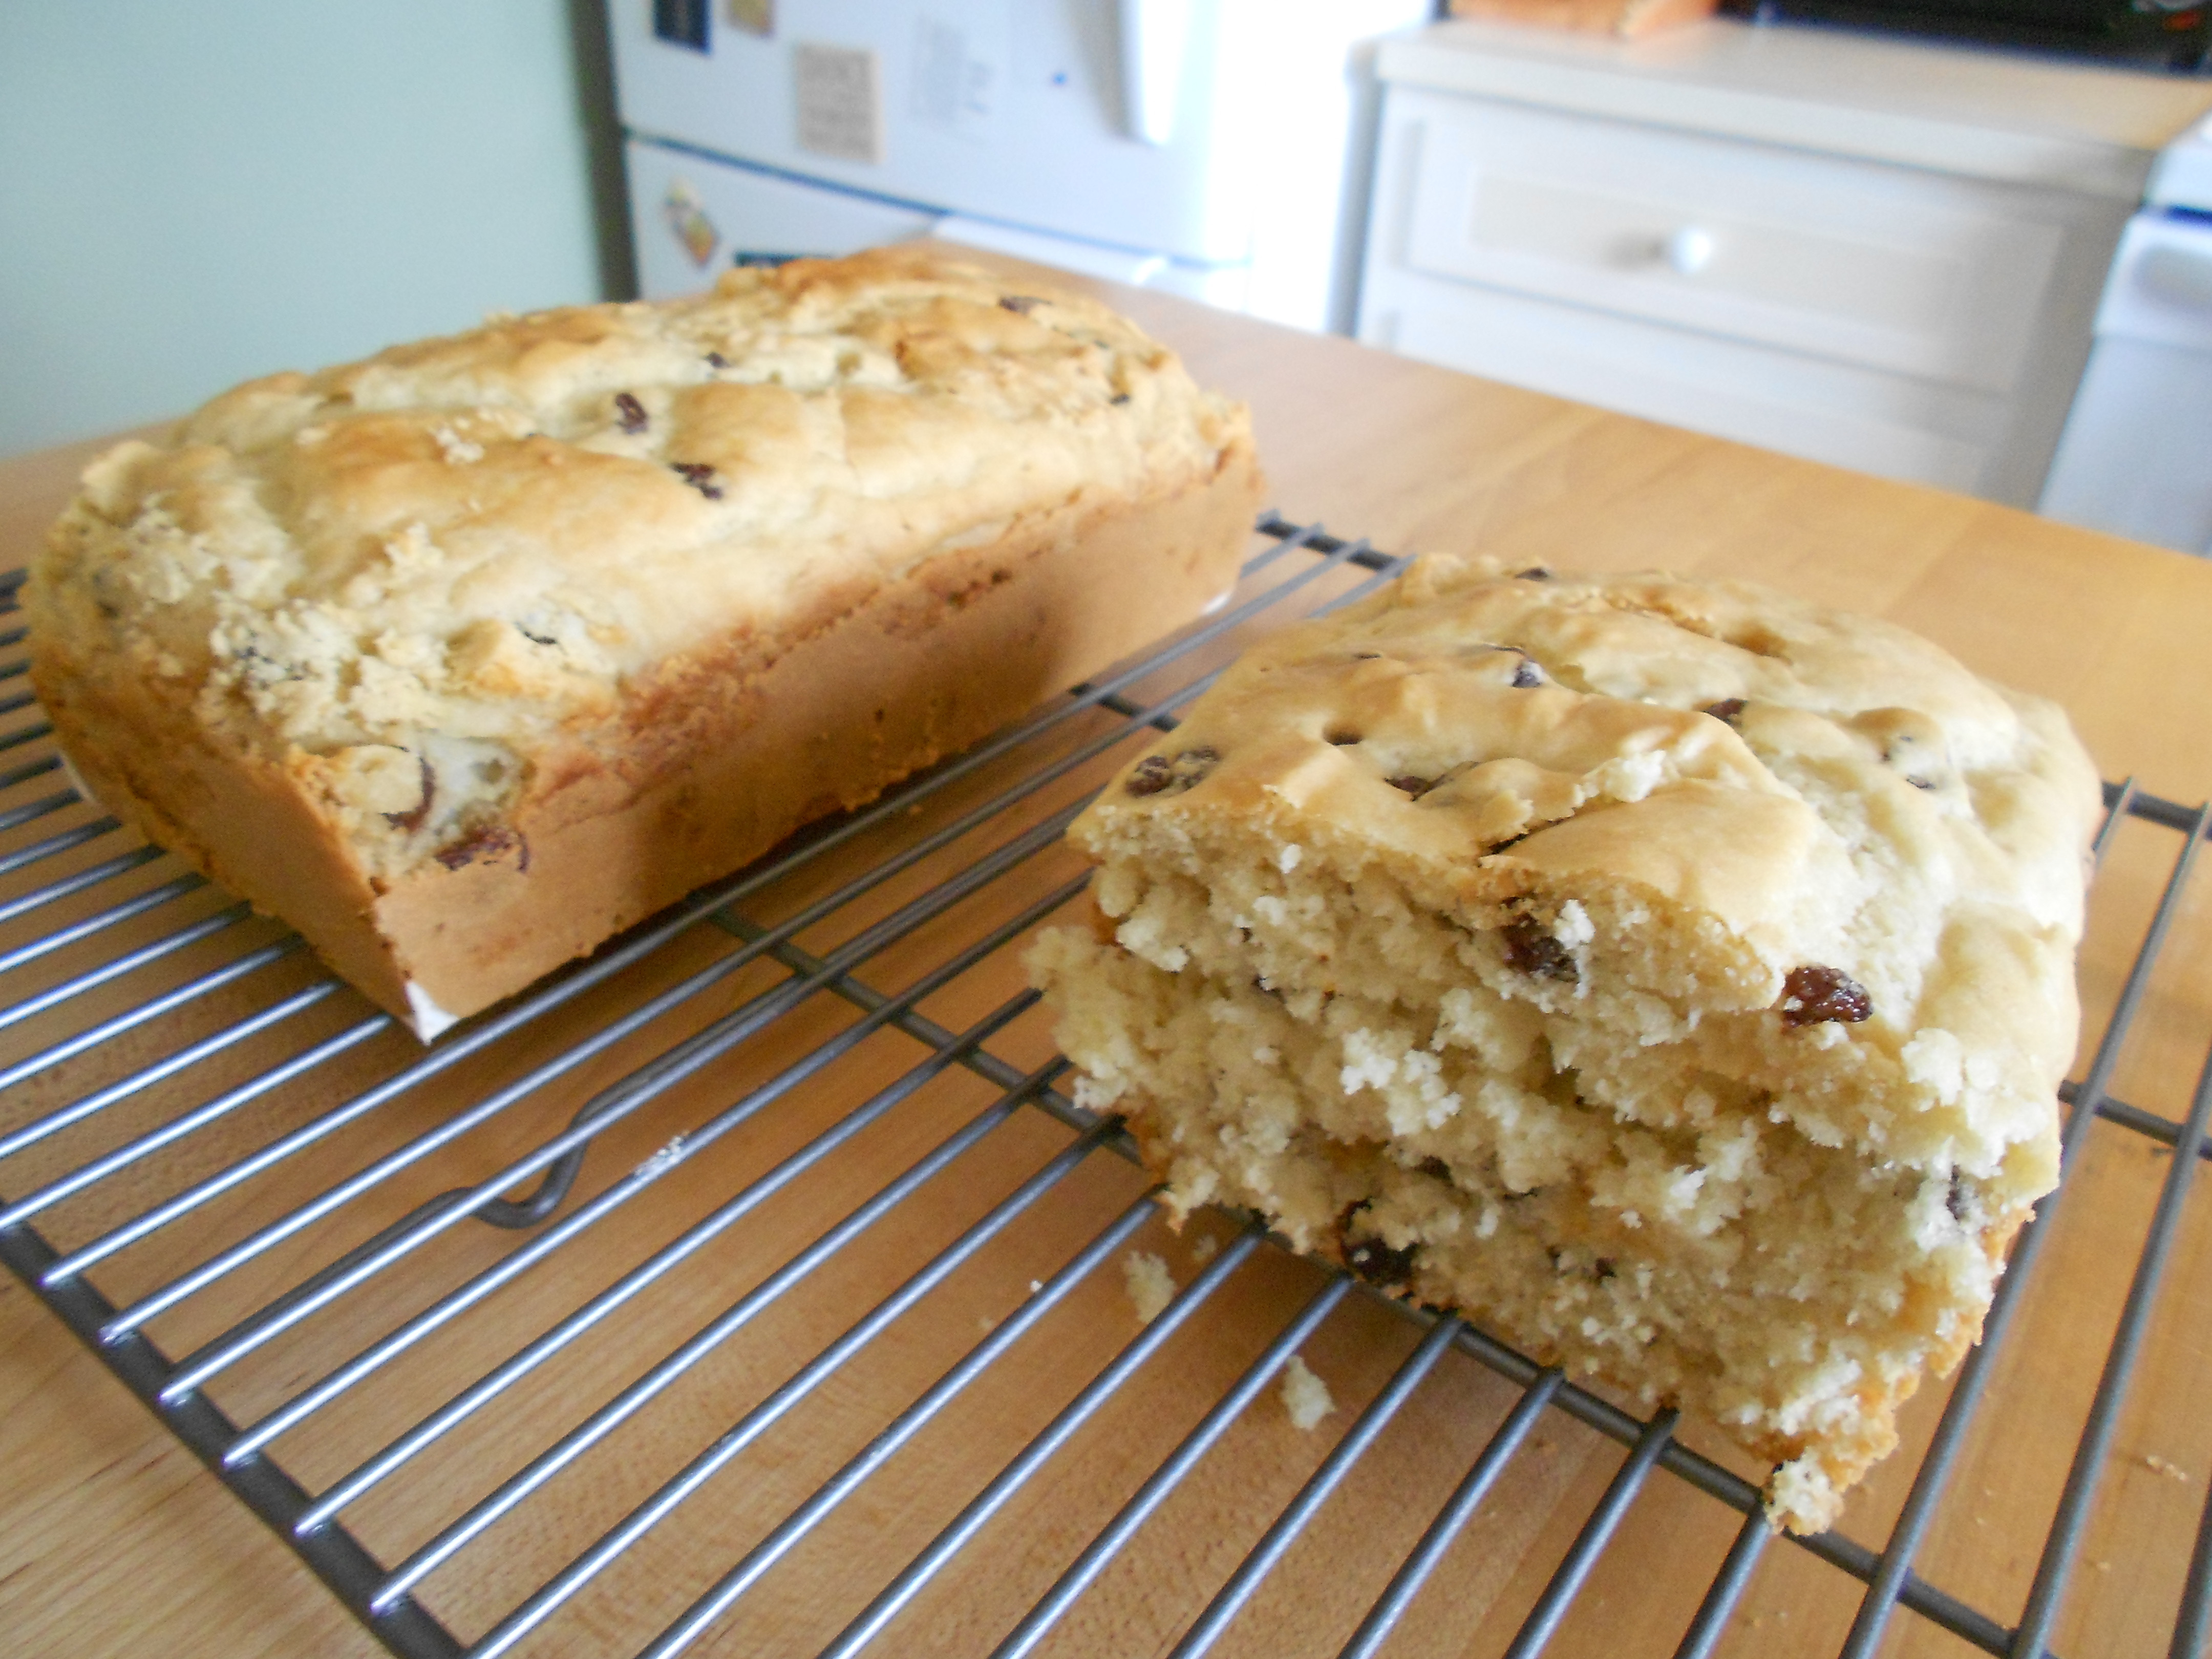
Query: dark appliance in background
x=2172 y=35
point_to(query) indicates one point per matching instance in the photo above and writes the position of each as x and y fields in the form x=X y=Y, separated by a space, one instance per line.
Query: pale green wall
x=193 y=193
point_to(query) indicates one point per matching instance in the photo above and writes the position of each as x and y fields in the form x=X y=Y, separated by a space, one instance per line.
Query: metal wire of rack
x=492 y=1419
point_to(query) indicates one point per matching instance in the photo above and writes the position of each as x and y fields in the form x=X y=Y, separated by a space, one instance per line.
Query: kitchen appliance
x=2136 y=458
x=1214 y=148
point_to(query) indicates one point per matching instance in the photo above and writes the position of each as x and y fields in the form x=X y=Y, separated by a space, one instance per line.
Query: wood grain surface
x=113 y=1541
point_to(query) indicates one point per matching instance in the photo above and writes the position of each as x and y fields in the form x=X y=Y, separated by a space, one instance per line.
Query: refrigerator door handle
x=1155 y=34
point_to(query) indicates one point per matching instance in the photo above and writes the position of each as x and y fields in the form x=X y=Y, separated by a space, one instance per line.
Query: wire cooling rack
x=755 y=1286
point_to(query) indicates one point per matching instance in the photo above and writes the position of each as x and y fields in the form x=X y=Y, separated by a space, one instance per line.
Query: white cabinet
x=1911 y=296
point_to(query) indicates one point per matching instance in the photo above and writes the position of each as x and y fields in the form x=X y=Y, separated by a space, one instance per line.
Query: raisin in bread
x=465 y=657
x=1673 y=975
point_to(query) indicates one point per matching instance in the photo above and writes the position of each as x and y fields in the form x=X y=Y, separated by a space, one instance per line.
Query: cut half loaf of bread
x=1673 y=976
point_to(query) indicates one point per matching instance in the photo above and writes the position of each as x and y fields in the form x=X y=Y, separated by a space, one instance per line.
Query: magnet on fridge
x=753 y=17
x=959 y=69
x=682 y=23
x=837 y=95
x=687 y=216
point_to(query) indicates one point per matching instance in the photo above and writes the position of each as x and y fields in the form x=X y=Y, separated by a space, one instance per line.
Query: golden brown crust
x=242 y=821
x=1091 y=594
x=464 y=658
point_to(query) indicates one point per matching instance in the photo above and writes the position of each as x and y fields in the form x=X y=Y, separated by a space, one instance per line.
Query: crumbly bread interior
x=1673 y=975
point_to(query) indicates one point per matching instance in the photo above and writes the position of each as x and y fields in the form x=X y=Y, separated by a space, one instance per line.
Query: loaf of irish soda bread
x=1674 y=976
x=461 y=659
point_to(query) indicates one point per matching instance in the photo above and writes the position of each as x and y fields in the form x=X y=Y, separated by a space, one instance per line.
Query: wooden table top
x=113 y=1540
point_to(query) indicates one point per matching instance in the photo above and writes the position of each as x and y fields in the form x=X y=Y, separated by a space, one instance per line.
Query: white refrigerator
x=2135 y=458
x=1218 y=149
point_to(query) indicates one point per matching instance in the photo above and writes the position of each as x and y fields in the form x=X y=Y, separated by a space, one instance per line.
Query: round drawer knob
x=1688 y=251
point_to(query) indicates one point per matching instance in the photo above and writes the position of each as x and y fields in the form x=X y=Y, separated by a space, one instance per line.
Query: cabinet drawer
x=1898 y=270
x=1839 y=413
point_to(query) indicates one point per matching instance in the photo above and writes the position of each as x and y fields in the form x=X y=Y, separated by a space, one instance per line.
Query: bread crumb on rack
x=1151 y=1285
x=1305 y=1396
